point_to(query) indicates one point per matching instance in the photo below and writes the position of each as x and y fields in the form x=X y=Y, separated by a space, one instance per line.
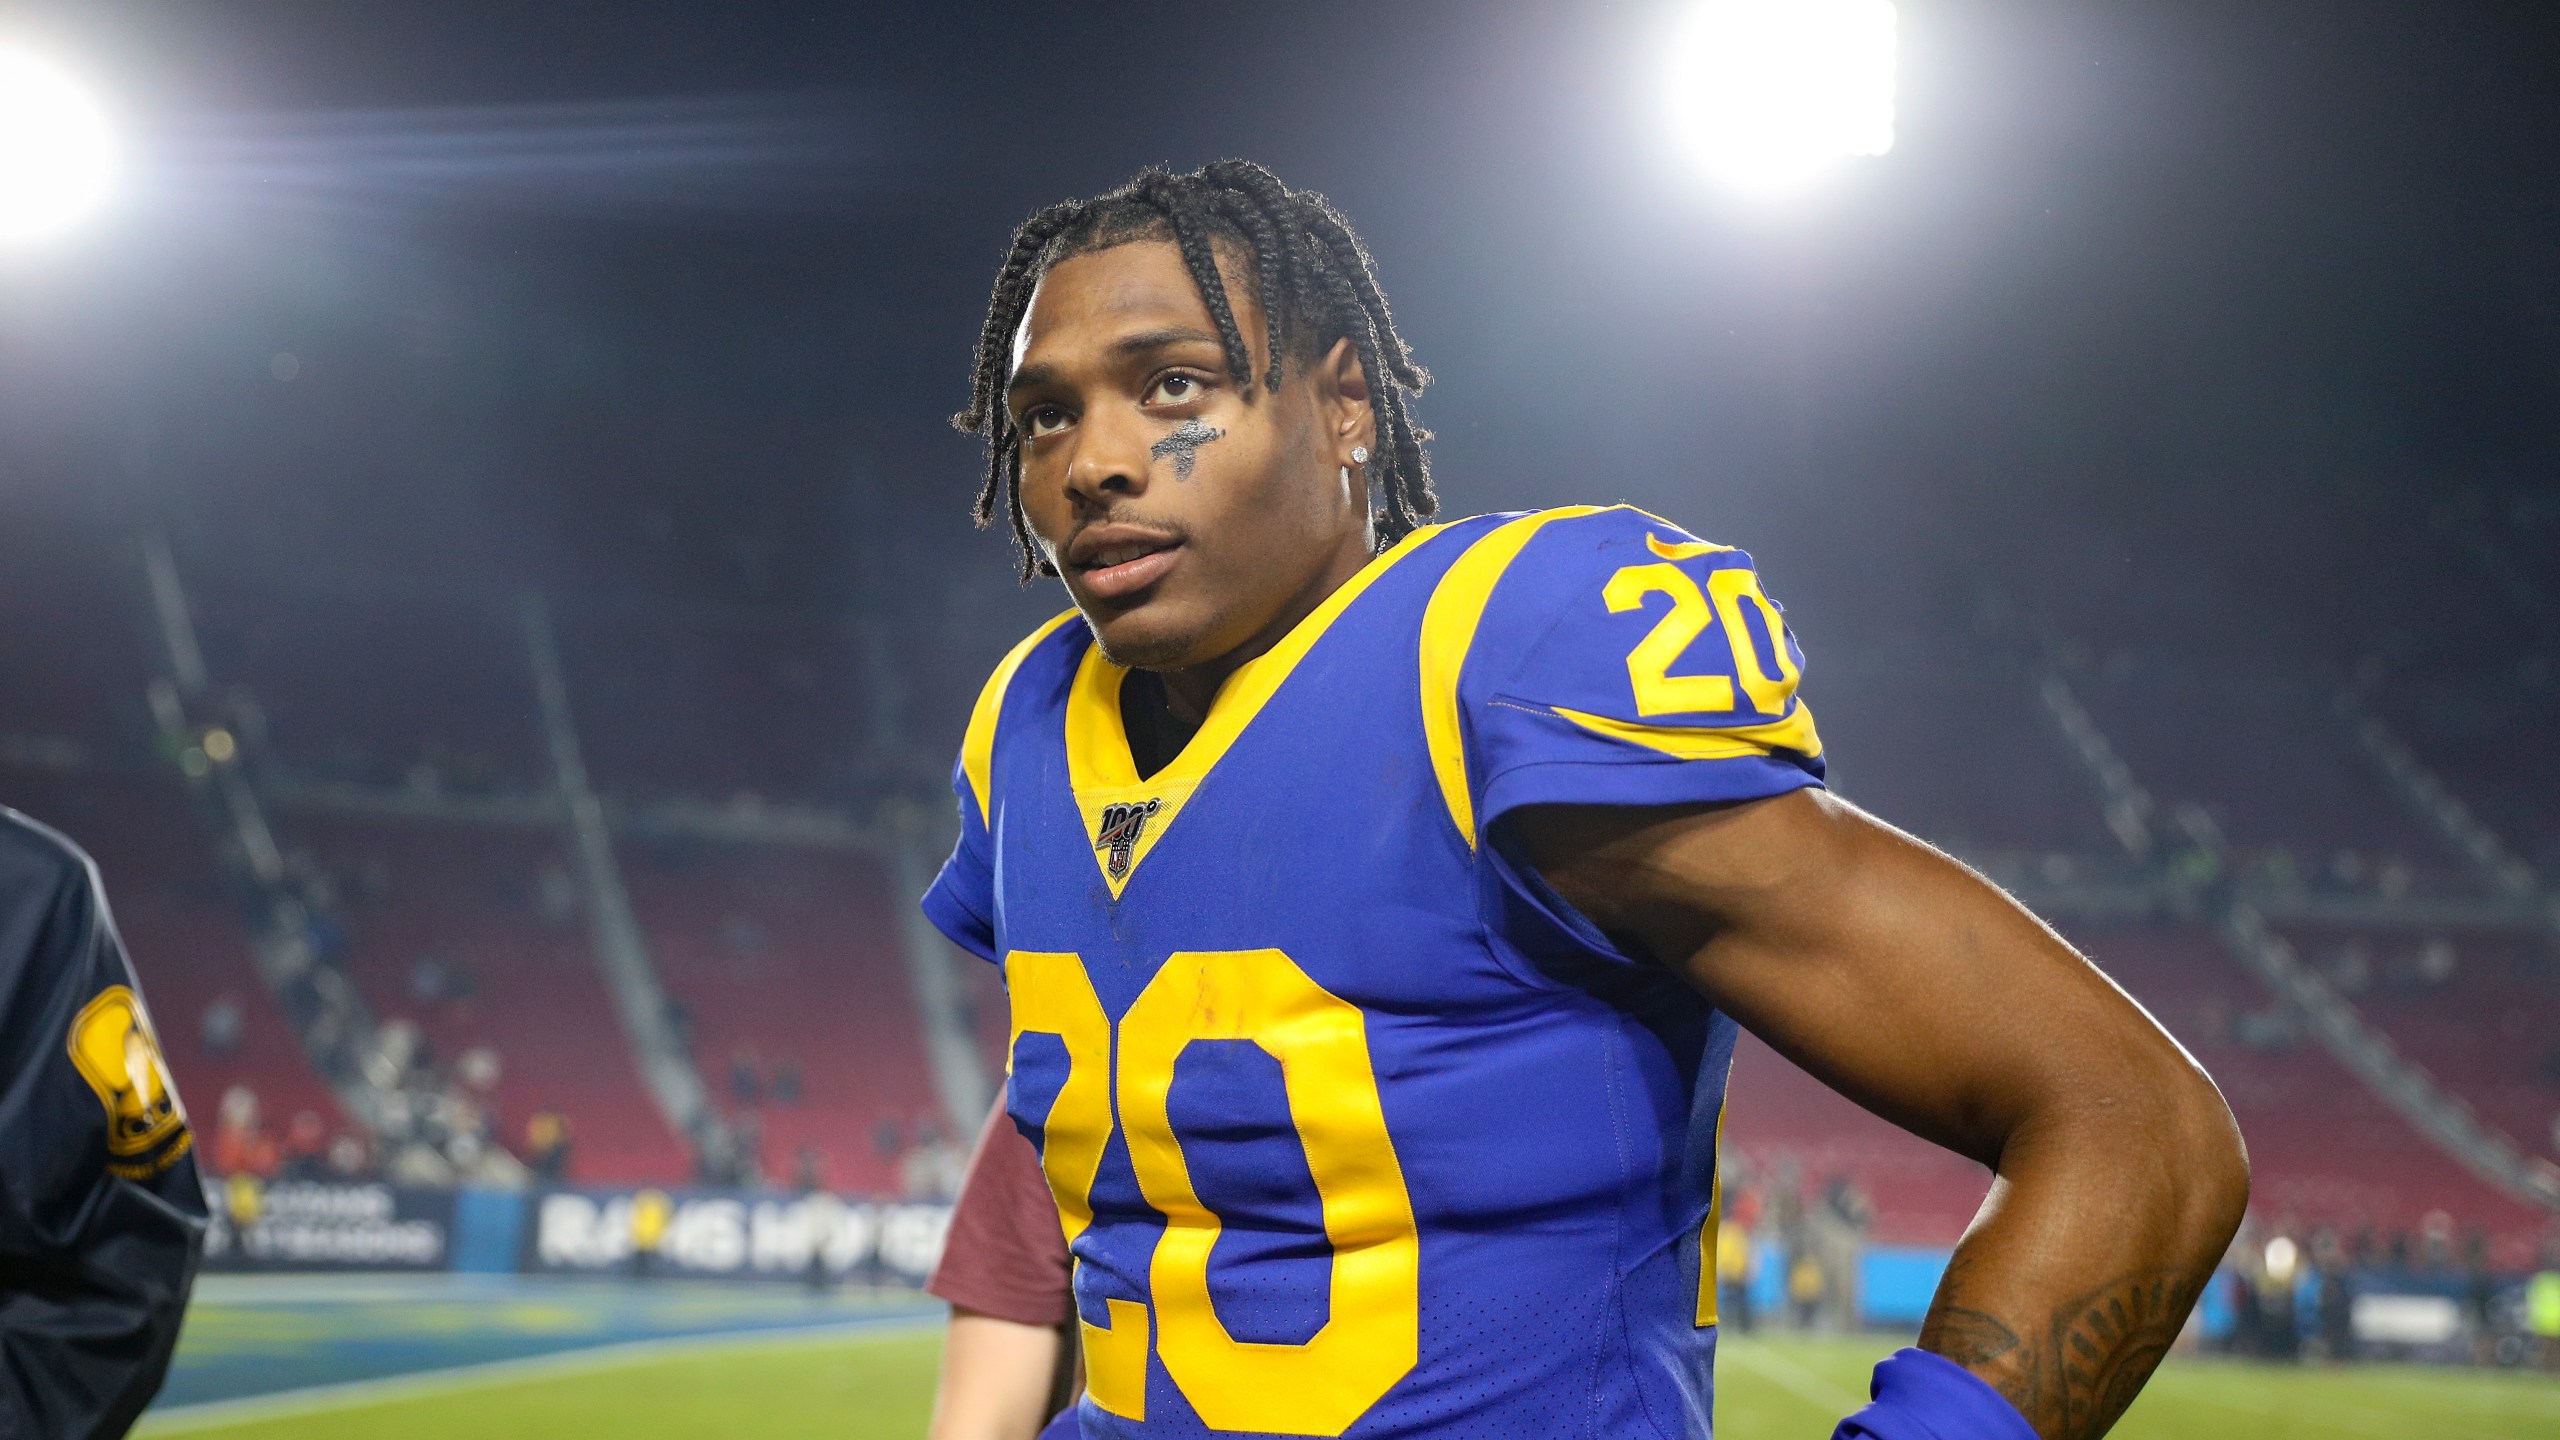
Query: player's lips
x=1114 y=561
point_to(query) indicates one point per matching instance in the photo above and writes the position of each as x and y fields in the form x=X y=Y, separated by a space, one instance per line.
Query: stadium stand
x=1905 y=738
x=415 y=691
x=2485 y=731
x=2323 y=1148
x=786 y=962
x=1779 y=1118
x=727 y=704
x=2479 y=1010
x=2279 y=773
x=781 y=952
x=456 y=931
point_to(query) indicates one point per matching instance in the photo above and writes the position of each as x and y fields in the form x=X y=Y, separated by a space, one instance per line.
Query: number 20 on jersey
x=1318 y=1387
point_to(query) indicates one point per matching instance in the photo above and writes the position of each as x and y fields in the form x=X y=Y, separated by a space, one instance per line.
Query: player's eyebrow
x=1162 y=337
x=1037 y=374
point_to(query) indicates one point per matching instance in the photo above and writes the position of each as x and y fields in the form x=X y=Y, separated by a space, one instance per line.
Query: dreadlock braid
x=985 y=414
x=1179 y=199
x=1314 y=278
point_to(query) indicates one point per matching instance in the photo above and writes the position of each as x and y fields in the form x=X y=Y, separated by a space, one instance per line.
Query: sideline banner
x=640 y=1231
x=322 y=1226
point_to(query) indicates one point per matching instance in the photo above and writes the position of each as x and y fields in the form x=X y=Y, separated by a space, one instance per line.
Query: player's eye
x=1043 y=420
x=1174 y=389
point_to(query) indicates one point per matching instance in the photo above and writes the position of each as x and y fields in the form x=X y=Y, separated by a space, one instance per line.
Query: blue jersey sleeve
x=1620 y=660
x=961 y=902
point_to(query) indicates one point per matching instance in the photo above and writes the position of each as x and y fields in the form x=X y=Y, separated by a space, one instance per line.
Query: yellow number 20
x=1373 y=1335
x=1659 y=692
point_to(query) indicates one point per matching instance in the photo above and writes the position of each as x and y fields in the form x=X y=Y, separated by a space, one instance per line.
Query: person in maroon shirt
x=1008 y=1364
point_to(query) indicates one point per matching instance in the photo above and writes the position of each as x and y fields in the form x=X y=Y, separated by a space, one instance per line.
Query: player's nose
x=1110 y=458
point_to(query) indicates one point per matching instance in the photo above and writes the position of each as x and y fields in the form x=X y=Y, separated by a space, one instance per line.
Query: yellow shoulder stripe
x=1448 y=631
x=978 y=742
x=1683 y=549
x=1689 y=742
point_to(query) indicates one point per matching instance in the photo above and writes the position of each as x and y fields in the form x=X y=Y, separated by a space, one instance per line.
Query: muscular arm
x=1922 y=992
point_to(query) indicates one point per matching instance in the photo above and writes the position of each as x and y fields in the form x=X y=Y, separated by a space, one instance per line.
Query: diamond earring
x=1359 y=454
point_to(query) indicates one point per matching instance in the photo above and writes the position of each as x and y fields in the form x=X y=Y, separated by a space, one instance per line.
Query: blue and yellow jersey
x=1354 y=1128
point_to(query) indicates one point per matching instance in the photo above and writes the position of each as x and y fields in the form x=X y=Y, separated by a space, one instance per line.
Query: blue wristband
x=1921 y=1396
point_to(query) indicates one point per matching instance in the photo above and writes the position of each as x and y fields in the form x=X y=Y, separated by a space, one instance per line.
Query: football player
x=101 y=1212
x=1377 y=902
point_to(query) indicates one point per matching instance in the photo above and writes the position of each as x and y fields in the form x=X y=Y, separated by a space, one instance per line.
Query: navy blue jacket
x=101 y=1211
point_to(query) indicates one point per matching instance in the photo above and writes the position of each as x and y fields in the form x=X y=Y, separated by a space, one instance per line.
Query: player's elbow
x=2200 y=1158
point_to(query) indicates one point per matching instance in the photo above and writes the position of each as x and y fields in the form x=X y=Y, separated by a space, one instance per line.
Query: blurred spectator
x=1737 y=1265
x=2542 y=1313
x=786 y=1081
x=651 y=1211
x=222 y=1024
x=2436 y=1252
x=933 y=1169
x=306 y=1146
x=745 y=1086
x=1806 y=1285
x=348 y=1159
x=240 y=1147
x=546 y=1146
x=2279 y=1322
x=478 y=1068
x=2333 y=1312
x=2479 y=1295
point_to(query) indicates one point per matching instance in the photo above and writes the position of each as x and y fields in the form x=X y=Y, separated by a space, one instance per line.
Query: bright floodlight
x=1768 y=93
x=56 y=156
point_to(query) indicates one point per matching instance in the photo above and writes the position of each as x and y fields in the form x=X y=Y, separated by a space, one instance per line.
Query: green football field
x=855 y=1369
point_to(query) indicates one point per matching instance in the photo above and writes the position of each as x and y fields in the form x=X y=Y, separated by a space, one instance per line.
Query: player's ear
x=1342 y=390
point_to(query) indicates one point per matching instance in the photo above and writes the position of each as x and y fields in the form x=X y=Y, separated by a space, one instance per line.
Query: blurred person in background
x=241 y=1145
x=2542 y=1311
x=102 y=1213
x=221 y=1027
x=305 y=1155
x=1009 y=1358
x=546 y=1145
x=652 y=1211
x=1737 y=1257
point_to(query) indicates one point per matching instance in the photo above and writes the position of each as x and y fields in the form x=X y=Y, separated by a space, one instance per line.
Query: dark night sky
x=2190 y=312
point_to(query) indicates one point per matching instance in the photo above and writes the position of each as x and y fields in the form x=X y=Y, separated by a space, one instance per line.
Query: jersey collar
x=1137 y=812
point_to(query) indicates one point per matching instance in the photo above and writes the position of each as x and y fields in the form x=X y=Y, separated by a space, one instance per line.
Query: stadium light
x=57 y=153
x=1767 y=94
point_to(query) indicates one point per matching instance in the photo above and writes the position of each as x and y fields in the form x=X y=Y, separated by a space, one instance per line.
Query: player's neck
x=1162 y=717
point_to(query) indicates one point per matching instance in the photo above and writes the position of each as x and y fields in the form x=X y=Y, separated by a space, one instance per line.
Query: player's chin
x=1147 y=632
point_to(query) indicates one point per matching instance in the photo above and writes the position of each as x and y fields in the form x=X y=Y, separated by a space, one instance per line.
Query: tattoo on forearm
x=1183 y=444
x=2073 y=1375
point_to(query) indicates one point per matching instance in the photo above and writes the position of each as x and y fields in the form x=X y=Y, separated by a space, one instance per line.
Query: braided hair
x=1314 y=279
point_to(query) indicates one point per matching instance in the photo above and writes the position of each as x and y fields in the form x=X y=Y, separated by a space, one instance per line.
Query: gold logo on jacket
x=112 y=1045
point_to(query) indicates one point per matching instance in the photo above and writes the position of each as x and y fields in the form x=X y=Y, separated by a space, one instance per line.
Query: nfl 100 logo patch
x=1121 y=827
